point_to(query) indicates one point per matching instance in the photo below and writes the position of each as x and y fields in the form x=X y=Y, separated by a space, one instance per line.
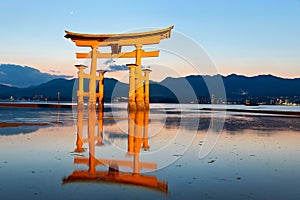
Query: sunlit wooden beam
x=121 y=163
x=120 y=55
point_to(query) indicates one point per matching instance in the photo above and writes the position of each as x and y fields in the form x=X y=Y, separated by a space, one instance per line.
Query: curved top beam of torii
x=126 y=39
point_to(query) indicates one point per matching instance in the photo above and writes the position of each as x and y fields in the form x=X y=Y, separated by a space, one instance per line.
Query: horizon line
x=218 y=74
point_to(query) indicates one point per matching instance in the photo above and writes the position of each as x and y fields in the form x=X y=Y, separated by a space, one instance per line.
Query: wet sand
x=255 y=156
x=272 y=112
x=35 y=105
x=8 y=124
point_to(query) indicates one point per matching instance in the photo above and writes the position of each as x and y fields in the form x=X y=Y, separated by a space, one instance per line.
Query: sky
x=238 y=36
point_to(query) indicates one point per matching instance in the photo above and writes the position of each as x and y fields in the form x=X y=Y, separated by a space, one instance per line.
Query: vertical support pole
x=138 y=139
x=131 y=91
x=146 y=135
x=91 y=140
x=139 y=80
x=93 y=76
x=101 y=90
x=100 y=128
x=79 y=142
x=147 y=93
x=131 y=130
x=136 y=161
x=80 y=91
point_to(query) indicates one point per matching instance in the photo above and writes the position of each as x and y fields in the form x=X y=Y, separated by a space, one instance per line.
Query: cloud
x=54 y=71
x=110 y=66
x=109 y=62
x=113 y=68
x=5 y=84
x=146 y=67
x=2 y=73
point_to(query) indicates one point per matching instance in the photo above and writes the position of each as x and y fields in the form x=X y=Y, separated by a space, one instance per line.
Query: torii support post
x=131 y=91
x=100 y=129
x=80 y=91
x=79 y=142
x=93 y=78
x=146 y=89
x=101 y=90
x=91 y=139
x=131 y=131
x=146 y=146
x=139 y=80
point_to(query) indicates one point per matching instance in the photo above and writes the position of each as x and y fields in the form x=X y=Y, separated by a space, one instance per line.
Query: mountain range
x=24 y=76
x=262 y=88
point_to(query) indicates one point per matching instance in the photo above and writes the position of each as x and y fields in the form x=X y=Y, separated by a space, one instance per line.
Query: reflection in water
x=18 y=130
x=237 y=123
x=137 y=139
x=258 y=154
x=28 y=120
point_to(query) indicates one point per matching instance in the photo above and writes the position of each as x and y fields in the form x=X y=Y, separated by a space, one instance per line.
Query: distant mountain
x=7 y=91
x=257 y=86
x=65 y=87
x=23 y=76
x=263 y=88
x=238 y=88
x=47 y=90
x=262 y=85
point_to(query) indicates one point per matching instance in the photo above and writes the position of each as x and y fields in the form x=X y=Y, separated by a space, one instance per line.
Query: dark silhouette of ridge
x=184 y=89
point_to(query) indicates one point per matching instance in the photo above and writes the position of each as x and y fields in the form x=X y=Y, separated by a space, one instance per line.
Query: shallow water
x=191 y=154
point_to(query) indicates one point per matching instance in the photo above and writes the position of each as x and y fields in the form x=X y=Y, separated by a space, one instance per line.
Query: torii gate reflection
x=137 y=139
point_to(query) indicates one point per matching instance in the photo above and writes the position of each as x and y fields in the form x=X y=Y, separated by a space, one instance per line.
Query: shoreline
x=70 y=105
x=17 y=124
x=37 y=105
x=273 y=112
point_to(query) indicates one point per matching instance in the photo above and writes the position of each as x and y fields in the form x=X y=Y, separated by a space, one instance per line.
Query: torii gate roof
x=127 y=39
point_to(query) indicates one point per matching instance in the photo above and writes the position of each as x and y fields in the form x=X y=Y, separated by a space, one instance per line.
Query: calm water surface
x=173 y=152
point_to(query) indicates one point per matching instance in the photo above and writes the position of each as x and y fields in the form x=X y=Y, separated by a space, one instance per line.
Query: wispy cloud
x=109 y=62
x=5 y=84
x=113 y=68
x=110 y=66
x=2 y=73
x=55 y=71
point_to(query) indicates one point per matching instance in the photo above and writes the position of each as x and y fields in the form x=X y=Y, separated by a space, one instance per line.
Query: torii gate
x=138 y=82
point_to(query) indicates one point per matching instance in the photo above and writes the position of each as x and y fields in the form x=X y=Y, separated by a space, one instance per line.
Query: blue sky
x=240 y=36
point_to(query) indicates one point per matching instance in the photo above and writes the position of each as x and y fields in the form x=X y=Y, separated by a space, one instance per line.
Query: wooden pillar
x=79 y=142
x=131 y=130
x=146 y=89
x=131 y=90
x=101 y=90
x=146 y=135
x=100 y=128
x=91 y=140
x=139 y=80
x=93 y=78
x=136 y=162
x=138 y=139
x=80 y=91
x=138 y=131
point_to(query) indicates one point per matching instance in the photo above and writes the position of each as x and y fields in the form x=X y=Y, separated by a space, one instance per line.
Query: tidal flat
x=172 y=152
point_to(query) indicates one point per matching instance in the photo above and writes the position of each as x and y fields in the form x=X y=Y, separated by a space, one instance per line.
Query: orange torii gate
x=138 y=82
